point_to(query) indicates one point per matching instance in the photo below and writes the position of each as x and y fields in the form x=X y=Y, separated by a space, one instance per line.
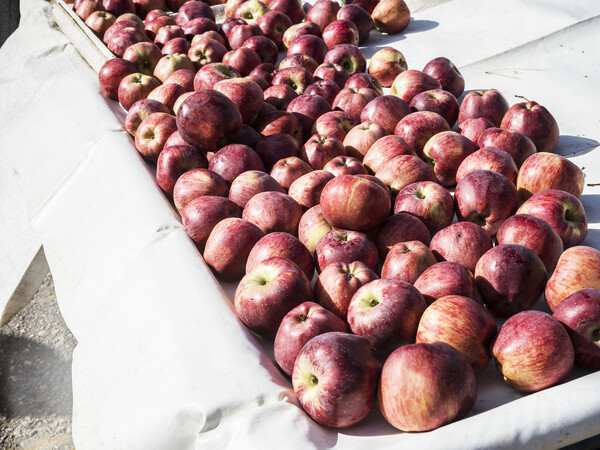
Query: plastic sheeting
x=161 y=360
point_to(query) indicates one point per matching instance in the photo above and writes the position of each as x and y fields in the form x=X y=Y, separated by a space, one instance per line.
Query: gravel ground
x=36 y=398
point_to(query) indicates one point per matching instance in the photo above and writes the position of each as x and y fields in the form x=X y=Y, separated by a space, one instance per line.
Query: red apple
x=273 y=211
x=152 y=133
x=403 y=170
x=251 y=10
x=247 y=184
x=234 y=159
x=197 y=183
x=274 y=24
x=340 y=31
x=360 y=17
x=386 y=64
x=580 y=315
x=401 y=227
x=354 y=203
x=535 y=234
x=333 y=72
x=437 y=101
x=488 y=158
x=299 y=326
x=443 y=70
x=391 y=16
x=428 y=201
x=202 y=214
x=563 y=211
x=194 y=10
x=167 y=33
x=360 y=138
x=462 y=323
x=312 y=227
x=275 y=147
x=424 y=386
x=205 y=117
x=461 y=242
x=308 y=44
x=268 y=292
x=519 y=146
x=338 y=282
x=120 y=41
x=473 y=128
x=446 y=278
x=279 y=122
x=349 y=56
x=308 y=108
x=167 y=94
x=174 y=161
x=385 y=111
x=489 y=104
x=445 y=151
x=406 y=261
x=323 y=12
x=298 y=78
x=411 y=82
x=533 y=351
x=290 y=8
x=135 y=87
x=345 y=165
x=110 y=75
x=211 y=74
x=418 y=127
x=184 y=78
x=205 y=51
x=486 y=198
x=280 y=95
x=327 y=89
x=346 y=246
x=139 y=111
x=119 y=7
x=385 y=149
x=543 y=171
x=228 y=246
x=535 y=122
x=288 y=170
x=299 y=60
x=577 y=268
x=282 y=245
x=245 y=94
x=307 y=189
x=386 y=313
x=335 y=379
x=320 y=149
x=99 y=22
x=144 y=56
x=335 y=123
x=300 y=29
x=87 y=7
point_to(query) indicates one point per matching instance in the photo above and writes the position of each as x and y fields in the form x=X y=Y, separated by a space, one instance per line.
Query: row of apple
x=271 y=204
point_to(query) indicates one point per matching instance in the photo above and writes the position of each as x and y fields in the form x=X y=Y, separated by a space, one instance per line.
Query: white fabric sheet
x=162 y=361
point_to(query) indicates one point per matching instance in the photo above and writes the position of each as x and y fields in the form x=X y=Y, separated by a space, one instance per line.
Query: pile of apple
x=278 y=170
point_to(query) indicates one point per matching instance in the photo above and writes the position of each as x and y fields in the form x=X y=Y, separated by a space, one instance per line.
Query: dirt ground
x=36 y=398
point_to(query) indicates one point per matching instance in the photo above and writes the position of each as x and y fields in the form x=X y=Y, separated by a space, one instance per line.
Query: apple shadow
x=378 y=40
x=591 y=203
x=575 y=145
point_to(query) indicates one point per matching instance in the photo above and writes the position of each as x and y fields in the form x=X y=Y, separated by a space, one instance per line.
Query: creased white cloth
x=162 y=361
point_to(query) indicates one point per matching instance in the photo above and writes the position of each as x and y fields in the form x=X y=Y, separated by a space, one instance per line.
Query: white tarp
x=162 y=361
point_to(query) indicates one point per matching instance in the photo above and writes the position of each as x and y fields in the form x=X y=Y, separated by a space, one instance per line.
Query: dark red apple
x=234 y=159
x=403 y=170
x=247 y=184
x=510 y=278
x=443 y=70
x=211 y=74
x=411 y=82
x=273 y=211
x=174 y=161
x=406 y=261
x=197 y=183
x=385 y=149
x=445 y=152
x=519 y=146
x=288 y=170
x=386 y=111
x=437 y=101
x=488 y=158
x=110 y=75
x=417 y=128
x=275 y=147
x=307 y=189
x=346 y=246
